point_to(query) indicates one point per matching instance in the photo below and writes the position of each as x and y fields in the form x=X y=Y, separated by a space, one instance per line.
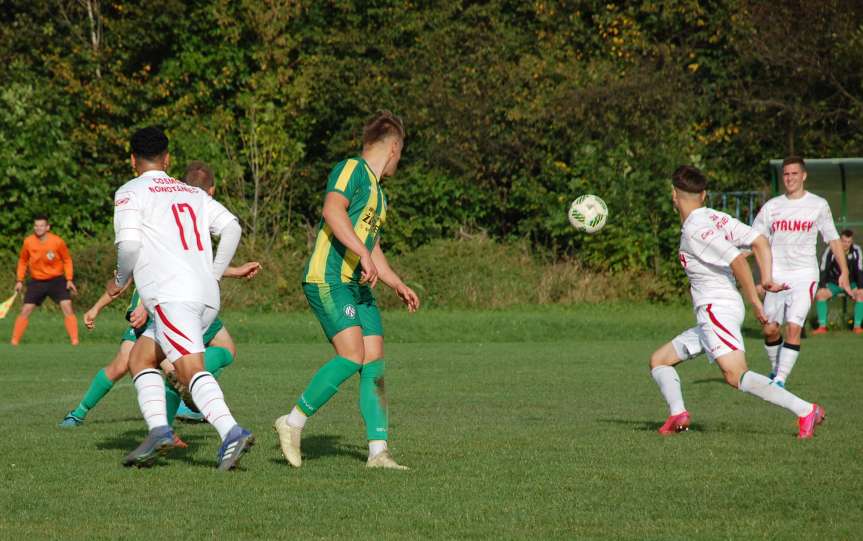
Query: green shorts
x=836 y=290
x=131 y=334
x=340 y=306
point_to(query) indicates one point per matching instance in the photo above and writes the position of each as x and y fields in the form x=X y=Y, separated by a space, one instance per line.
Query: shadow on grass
x=648 y=426
x=319 y=446
x=709 y=380
x=129 y=440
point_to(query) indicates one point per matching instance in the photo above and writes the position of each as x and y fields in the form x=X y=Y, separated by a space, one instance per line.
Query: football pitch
x=534 y=423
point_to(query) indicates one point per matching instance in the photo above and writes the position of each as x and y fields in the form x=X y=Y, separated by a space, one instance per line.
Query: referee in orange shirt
x=49 y=260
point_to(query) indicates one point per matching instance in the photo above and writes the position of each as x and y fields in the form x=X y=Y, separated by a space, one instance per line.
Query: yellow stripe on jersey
x=345 y=175
x=362 y=230
x=318 y=264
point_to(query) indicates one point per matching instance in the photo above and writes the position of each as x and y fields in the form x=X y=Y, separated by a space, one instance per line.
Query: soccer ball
x=588 y=213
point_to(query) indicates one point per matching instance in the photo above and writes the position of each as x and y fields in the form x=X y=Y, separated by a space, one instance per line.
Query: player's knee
x=823 y=294
x=732 y=377
x=771 y=331
x=659 y=358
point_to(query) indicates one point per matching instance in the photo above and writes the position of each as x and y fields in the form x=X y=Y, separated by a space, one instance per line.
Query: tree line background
x=512 y=109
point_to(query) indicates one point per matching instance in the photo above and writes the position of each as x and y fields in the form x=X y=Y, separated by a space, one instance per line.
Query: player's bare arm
x=840 y=258
x=336 y=217
x=247 y=270
x=741 y=271
x=388 y=276
x=93 y=312
x=764 y=257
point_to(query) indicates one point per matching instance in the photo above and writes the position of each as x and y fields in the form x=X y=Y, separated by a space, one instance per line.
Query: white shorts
x=179 y=328
x=791 y=305
x=717 y=333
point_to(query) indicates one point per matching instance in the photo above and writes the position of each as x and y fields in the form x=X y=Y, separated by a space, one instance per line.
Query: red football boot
x=675 y=423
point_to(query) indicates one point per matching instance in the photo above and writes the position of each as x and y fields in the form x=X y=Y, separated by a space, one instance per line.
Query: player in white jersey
x=162 y=231
x=791 y=222
x=710 y=243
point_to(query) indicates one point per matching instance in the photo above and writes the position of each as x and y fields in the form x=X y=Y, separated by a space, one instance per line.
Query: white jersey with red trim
x=792 y=227
x=709 y=242
x=173 y=222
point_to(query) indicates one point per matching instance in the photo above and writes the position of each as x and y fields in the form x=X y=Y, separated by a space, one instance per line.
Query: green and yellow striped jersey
x=331 y=262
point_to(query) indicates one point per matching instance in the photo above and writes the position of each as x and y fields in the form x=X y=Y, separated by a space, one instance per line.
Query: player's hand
x=70 y=285
x=19 y=286
x=246 y=270
x=771 y=286
x=369 y=274
x=90 y=318
x=759 y=313
x=845 y=285
x=408 y=296
x=138 y=317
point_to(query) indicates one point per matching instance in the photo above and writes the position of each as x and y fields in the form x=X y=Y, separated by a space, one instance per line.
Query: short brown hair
x=689 y=179
x=382 y=125
x=847 y=233
x=790 y=160
x=200 y=175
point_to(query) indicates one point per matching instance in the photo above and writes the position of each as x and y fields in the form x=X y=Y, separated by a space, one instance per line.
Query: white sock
x=787 y=358
x=151 y=397
x=754 y=383
x=773 y=355
x=209 y=398
x=297 y=418
x=376 y=447
x=669 y=385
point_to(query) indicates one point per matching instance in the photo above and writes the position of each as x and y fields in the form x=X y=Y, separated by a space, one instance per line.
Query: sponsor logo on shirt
x=121 y=202
x=791 y=226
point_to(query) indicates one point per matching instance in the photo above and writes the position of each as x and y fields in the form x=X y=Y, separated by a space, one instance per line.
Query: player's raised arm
x=336 y=217
x=388 y=276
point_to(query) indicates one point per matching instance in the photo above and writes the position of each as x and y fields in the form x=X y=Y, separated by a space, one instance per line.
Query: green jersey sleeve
x=134 y=302
x=343 y=178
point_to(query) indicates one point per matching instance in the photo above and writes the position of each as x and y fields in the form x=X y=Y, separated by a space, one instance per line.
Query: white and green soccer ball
x=588 y=213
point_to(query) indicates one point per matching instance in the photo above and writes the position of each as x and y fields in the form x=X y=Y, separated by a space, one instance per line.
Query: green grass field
x=534 y=423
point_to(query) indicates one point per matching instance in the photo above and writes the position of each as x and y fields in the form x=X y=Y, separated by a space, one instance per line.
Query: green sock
x=172 y=402
x=858 y=313
x=373 y=400
x=217 y=359
x=821 y=308
x=99 y=387
x=325 y=383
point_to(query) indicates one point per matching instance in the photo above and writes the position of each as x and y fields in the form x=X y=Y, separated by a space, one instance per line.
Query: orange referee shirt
x=48 y=258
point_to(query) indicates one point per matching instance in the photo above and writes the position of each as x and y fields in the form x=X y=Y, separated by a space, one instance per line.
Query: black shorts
x=55 y=288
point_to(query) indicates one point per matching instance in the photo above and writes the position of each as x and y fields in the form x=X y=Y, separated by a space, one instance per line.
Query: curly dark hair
x=149 y=143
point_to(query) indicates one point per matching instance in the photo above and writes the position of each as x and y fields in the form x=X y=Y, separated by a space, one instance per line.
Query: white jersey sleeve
x=127 y=216
x=824 y=223
x=761 y=224
x=711 y=247
x=738 y=234
x=218 y=216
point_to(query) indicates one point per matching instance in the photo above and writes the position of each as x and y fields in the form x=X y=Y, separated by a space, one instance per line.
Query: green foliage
x=512 y=109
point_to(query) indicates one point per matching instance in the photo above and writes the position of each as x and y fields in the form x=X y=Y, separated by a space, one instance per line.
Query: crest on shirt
x=50 y=255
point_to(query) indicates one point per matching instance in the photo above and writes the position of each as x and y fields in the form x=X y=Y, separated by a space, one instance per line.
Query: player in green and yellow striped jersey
x=346 y=263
